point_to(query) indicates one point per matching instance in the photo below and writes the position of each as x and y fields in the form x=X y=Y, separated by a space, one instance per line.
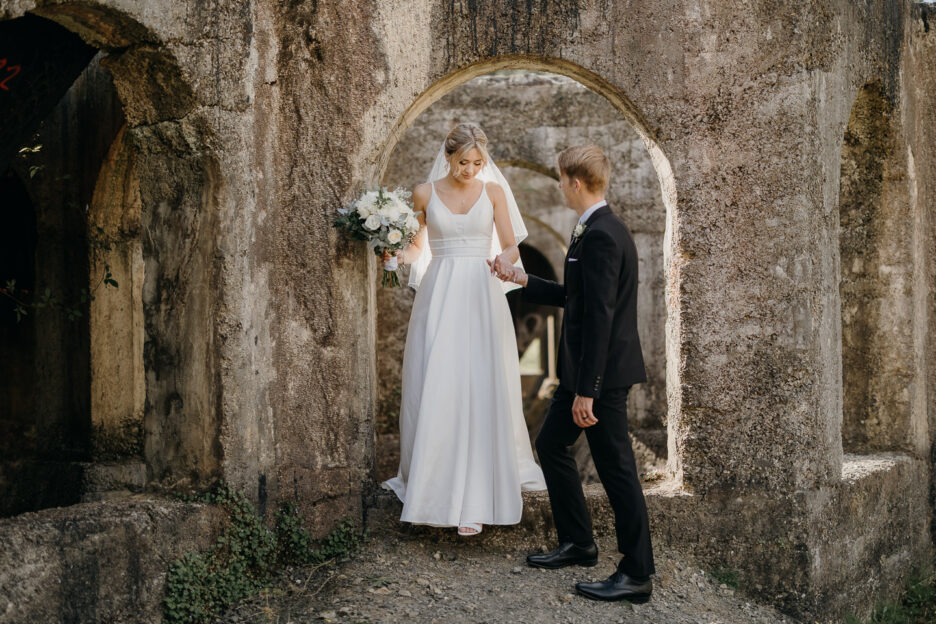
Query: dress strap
x=432 y=194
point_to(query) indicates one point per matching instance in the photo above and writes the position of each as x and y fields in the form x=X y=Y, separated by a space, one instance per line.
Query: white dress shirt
x=591 y=211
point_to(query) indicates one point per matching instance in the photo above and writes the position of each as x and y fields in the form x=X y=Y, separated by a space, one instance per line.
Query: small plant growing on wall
x=917 y=604
x=24 y=300
x=245 y=558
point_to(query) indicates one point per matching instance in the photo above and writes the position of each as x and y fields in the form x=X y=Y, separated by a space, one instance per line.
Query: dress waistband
x=461 y=247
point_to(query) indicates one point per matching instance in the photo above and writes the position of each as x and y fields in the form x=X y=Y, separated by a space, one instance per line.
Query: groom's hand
x=582 y=412
x=501 y=268
x=508 y=272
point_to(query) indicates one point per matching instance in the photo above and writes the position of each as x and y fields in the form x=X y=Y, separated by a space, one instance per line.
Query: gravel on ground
x=401 y=578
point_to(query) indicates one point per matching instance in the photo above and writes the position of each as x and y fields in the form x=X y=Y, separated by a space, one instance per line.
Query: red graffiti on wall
x=12 y=70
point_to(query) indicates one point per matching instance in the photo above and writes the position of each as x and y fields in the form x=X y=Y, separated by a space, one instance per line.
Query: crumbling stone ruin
x=775 y=160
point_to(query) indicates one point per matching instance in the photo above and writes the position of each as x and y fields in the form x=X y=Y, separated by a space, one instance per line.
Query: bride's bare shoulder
x=495 y=190
x=421 y=192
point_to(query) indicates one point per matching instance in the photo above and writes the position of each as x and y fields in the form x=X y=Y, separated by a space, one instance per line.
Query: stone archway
x=58 y=168
x=555 y=66
x=596 y=111
x=151 y=186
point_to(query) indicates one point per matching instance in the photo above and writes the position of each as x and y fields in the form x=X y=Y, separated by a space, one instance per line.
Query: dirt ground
x=400 y=578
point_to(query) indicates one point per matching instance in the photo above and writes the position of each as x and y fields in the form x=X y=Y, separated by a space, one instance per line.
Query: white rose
x=367 y=204
x=391 y=211
x=372 y=222
x=404 y=207
x=394 y=237
x=412 y=224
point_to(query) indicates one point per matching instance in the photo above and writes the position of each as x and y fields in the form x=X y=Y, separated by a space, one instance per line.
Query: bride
x=465 y=453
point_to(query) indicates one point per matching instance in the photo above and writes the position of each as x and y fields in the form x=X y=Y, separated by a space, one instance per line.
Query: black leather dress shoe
x=618 y=586
x=567 y=554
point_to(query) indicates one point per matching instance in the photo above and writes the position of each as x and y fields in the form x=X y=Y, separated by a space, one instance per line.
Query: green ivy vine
x=245 y=558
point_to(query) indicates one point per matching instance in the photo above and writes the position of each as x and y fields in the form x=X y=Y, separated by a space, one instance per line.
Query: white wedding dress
x=465 y=453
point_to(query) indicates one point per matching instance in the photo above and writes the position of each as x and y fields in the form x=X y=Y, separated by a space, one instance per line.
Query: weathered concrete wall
x=204 y=128
x=323 y=68
x=259 y=318
x=97 y=562
x=877 y=519
x=918 y=118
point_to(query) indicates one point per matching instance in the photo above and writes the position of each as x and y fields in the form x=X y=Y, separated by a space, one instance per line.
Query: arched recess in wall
x=151 y=217
x=660 y=163
x=41 y=464
x=116 y=314
x=876 y=277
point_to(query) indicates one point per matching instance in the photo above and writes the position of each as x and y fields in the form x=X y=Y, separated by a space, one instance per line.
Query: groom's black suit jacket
x=599 y=346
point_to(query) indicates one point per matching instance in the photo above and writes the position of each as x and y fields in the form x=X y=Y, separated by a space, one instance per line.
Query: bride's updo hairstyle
x=461 y=139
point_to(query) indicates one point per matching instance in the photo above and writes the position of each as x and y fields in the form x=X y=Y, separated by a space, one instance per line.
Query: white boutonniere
x=578 y=231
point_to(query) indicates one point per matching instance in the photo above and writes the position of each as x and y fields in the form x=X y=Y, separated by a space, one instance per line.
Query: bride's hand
x=394 y=260
x=497 y=271
x=510 y=273
x=501 y=267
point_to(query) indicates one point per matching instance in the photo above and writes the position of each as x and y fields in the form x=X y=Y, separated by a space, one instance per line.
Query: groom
x=599 y=360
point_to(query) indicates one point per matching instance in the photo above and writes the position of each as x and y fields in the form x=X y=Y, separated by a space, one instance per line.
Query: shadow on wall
x=875 y=225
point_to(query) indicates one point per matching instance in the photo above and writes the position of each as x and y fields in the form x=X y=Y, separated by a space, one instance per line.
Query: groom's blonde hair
x=587 y=163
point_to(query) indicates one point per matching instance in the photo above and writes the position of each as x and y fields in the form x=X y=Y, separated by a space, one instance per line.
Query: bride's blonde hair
x=462 y=138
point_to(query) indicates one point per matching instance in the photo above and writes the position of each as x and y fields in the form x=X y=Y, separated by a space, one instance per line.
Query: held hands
x=582 y=412
x=506 y=271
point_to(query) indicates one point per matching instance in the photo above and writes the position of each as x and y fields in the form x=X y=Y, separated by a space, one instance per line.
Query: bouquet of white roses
x=385 y=219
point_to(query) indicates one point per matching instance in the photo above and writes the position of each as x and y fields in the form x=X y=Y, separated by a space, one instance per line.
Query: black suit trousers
x=614 y=459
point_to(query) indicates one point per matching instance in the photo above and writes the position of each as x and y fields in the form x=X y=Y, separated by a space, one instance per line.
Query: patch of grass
x=725 y=576
x=379 y=581
x=916 y=606
x=245 y=557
